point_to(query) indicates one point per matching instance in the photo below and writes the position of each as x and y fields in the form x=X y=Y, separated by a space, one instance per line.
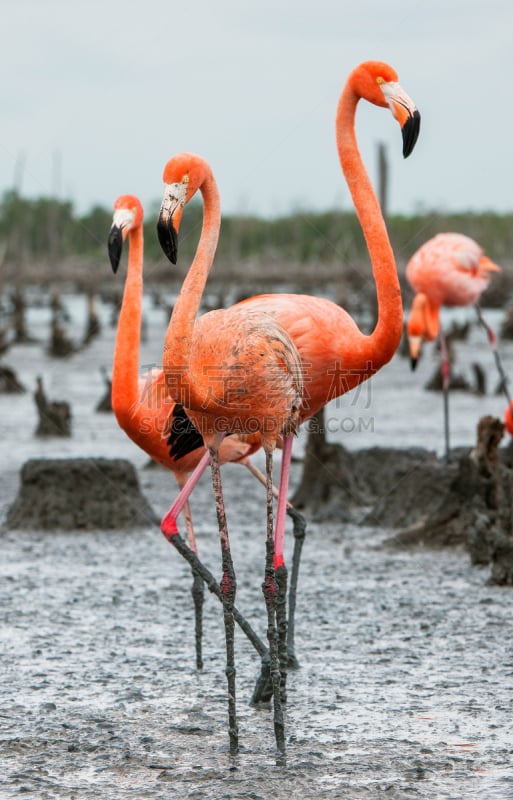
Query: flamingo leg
x=170 y=530
x=169 y=526
x=197 y=590
x=259 y=475
x=493 y=344
x=228 y=591
x=213 y=586
x=279 y=559
x=270 y=590
x=299 y=531
x=446 y=379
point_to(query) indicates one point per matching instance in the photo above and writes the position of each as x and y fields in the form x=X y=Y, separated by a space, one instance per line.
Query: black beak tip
x=168 y=238
x=410 y=131
x=115 y=247
x=413 y=363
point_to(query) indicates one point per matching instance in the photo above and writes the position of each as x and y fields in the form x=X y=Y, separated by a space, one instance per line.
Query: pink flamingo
x=145 y=411
x=448 y=270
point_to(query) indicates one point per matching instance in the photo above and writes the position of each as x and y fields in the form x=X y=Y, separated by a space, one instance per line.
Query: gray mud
x=405 y=688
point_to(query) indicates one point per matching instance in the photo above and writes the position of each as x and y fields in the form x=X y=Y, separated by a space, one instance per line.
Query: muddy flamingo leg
x=446 y=379
x=270 y=590
x=170 y=530
x=169 y=526
x=228 y=592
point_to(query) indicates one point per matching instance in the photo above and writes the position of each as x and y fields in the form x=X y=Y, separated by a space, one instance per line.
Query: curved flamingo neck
x=125 y=371
x=382 y=343
x=179 y=334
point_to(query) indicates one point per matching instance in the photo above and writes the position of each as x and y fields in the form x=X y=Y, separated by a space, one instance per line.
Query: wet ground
x=406 y=682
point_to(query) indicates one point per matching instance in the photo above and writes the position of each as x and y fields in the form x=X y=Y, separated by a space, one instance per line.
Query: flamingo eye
x=185 y=180
x=380 y=80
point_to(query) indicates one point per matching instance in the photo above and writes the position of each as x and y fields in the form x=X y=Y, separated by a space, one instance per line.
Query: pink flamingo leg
x=299 y=538
x=170 y=531
x=168 y=526
x=197 y=590
x=279 y=533
x=446 y=379
x=286 y=630
x=271 y=591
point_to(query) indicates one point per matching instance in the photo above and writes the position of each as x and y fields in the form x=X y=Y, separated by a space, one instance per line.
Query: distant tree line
x=45 y=233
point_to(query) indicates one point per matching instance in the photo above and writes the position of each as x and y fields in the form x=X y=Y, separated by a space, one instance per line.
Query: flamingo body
x=451 y=268
x=448 y=270
x=335 y=355
x=243 y=376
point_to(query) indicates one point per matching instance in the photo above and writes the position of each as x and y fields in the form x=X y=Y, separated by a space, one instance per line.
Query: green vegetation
x=40 y=238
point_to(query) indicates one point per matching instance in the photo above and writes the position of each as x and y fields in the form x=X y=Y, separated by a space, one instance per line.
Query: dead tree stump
x=105 y=403
x=60 y=346
x=79 y=494
x=9 y=383
x=54 y=416
x=327 y=487
x=94 y=327
x=501 y=545
x=18 y=317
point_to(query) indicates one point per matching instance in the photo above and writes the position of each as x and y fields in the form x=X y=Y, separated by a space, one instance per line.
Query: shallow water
x=405 y=685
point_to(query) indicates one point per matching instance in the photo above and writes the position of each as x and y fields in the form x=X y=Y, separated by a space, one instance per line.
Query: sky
x=97 y=97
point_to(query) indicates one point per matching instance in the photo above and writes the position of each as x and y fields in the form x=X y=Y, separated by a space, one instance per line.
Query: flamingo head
x=423 y=325
x=377 y=82
x=183 y=175
x=128 y=215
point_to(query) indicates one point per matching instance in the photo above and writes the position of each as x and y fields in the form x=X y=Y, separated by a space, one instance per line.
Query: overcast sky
x=97 y=96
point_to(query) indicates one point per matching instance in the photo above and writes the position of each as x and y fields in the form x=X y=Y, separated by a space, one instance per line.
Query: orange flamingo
x=145 y=411
x=335 y=355
x=233 y=370
x=448 y=270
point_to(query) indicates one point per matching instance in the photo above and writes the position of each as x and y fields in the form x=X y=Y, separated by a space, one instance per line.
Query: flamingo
x=144 y=410
x=448 y=270
x=335 y=356
x=233 y=371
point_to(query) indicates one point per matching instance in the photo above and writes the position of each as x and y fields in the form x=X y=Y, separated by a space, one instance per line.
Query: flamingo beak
x=168 y=223
x=415 y=343
x=168 y=236
x=488 y=265
x=405 y=112
x=115 y=246
x=121 y=223
x=410 y=131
